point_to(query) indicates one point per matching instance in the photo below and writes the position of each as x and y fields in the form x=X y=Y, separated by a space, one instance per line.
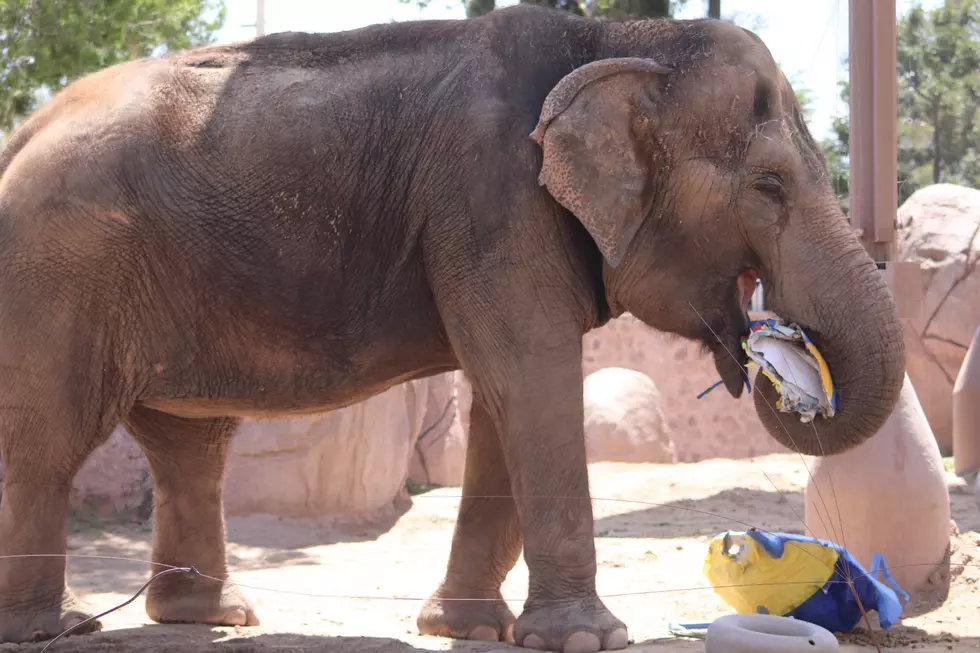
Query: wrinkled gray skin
x=296 y=223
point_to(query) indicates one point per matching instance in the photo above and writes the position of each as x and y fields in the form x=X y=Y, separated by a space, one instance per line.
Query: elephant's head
x=694 y=173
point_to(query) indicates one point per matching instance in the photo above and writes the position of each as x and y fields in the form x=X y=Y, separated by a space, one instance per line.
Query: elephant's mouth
x=746 y=288
x=726 y=343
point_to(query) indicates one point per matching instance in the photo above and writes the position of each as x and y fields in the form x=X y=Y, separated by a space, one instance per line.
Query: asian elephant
x=295 y=223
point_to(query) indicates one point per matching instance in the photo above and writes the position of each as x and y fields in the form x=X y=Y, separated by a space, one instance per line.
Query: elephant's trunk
x=824 y=280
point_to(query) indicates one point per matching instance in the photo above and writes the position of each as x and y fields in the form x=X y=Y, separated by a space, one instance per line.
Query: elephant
x=294 y=223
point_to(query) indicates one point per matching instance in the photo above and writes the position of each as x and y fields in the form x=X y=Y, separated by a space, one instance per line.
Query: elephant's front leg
x=541 y=413
x=486 y=545
x=187 y=461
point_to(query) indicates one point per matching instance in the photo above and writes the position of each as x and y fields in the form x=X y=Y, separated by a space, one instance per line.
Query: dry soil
x=296 y=570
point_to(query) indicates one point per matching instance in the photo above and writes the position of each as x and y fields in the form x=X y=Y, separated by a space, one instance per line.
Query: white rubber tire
x=763 y=633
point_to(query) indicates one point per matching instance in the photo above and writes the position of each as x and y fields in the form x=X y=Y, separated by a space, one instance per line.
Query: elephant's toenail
x=235 y=617
x=617 y=639
x=534 y=641
x=484 y=634
x=581 y=642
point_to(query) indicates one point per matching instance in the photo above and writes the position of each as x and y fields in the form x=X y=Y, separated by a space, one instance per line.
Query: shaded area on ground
x=709 y=516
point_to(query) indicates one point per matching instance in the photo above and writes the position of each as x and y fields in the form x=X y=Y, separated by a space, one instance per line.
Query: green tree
x=45 y=44
x=836 y=151
x=938 y=99
x=939 y=95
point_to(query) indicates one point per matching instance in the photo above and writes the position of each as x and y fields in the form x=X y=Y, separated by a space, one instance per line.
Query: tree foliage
x=938 y=100
x=45 y=44
x=939 y=94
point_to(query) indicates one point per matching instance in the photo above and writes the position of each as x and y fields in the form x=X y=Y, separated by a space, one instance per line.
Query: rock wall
x=715 y=426
x=938 y=228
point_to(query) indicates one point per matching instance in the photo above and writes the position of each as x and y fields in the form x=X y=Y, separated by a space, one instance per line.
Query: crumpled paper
x=798 y=372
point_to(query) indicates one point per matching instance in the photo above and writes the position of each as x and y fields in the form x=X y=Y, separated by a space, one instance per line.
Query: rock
x=976 y=491
x=114 y=482
x=888 y=496
x=464 y=399
x=351 y=461
x=966 y=412
x=938 y=228
x=623 y=420
x=715 y=426
x=439 y=454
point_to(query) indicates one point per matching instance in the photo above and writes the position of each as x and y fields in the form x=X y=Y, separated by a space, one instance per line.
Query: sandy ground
x=295 y=570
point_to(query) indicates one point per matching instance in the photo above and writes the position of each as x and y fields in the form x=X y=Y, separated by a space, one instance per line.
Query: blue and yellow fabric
x=802 y=577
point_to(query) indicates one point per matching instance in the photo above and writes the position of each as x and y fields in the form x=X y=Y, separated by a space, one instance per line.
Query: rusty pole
x=874 y=125
x=874 y=145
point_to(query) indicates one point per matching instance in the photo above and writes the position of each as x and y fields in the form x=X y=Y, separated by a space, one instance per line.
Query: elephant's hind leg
x=486 y=545
x=187 y=462
x=46 y=433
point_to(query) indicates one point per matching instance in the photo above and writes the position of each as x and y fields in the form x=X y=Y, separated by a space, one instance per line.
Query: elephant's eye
x=770 y=184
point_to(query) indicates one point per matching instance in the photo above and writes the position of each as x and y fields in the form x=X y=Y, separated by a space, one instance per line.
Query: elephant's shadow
x=706 y=517
x=288 y=535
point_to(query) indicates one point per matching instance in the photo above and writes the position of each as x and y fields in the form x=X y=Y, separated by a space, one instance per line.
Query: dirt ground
x=297 y=571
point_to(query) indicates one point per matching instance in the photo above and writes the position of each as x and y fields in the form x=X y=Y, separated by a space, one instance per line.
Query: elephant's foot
x=487 y=620
x=203 y=602
x=20 y=625
x=583 y=626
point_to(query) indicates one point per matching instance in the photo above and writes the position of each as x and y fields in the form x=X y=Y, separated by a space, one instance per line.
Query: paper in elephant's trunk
x=796 y=368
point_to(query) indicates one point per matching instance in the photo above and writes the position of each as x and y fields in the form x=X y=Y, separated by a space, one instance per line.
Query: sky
x=808 y=38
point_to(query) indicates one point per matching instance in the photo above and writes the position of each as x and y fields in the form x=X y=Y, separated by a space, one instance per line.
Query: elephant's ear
x=593 y=164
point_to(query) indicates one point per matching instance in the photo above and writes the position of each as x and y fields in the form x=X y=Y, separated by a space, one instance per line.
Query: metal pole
x=874 y=146
x=874 y=124
x=886 y=126
x=259 y=17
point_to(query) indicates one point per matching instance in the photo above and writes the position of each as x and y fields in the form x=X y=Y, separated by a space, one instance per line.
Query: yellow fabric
x=825 y=380
x=752 y=578
x=775 y=384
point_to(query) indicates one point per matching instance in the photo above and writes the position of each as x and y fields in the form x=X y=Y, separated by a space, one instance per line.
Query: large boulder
x=715 y=426
x=937 y=228
x=439 y=454
x=623 y=418
x=351 y=461
x=114 y=483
